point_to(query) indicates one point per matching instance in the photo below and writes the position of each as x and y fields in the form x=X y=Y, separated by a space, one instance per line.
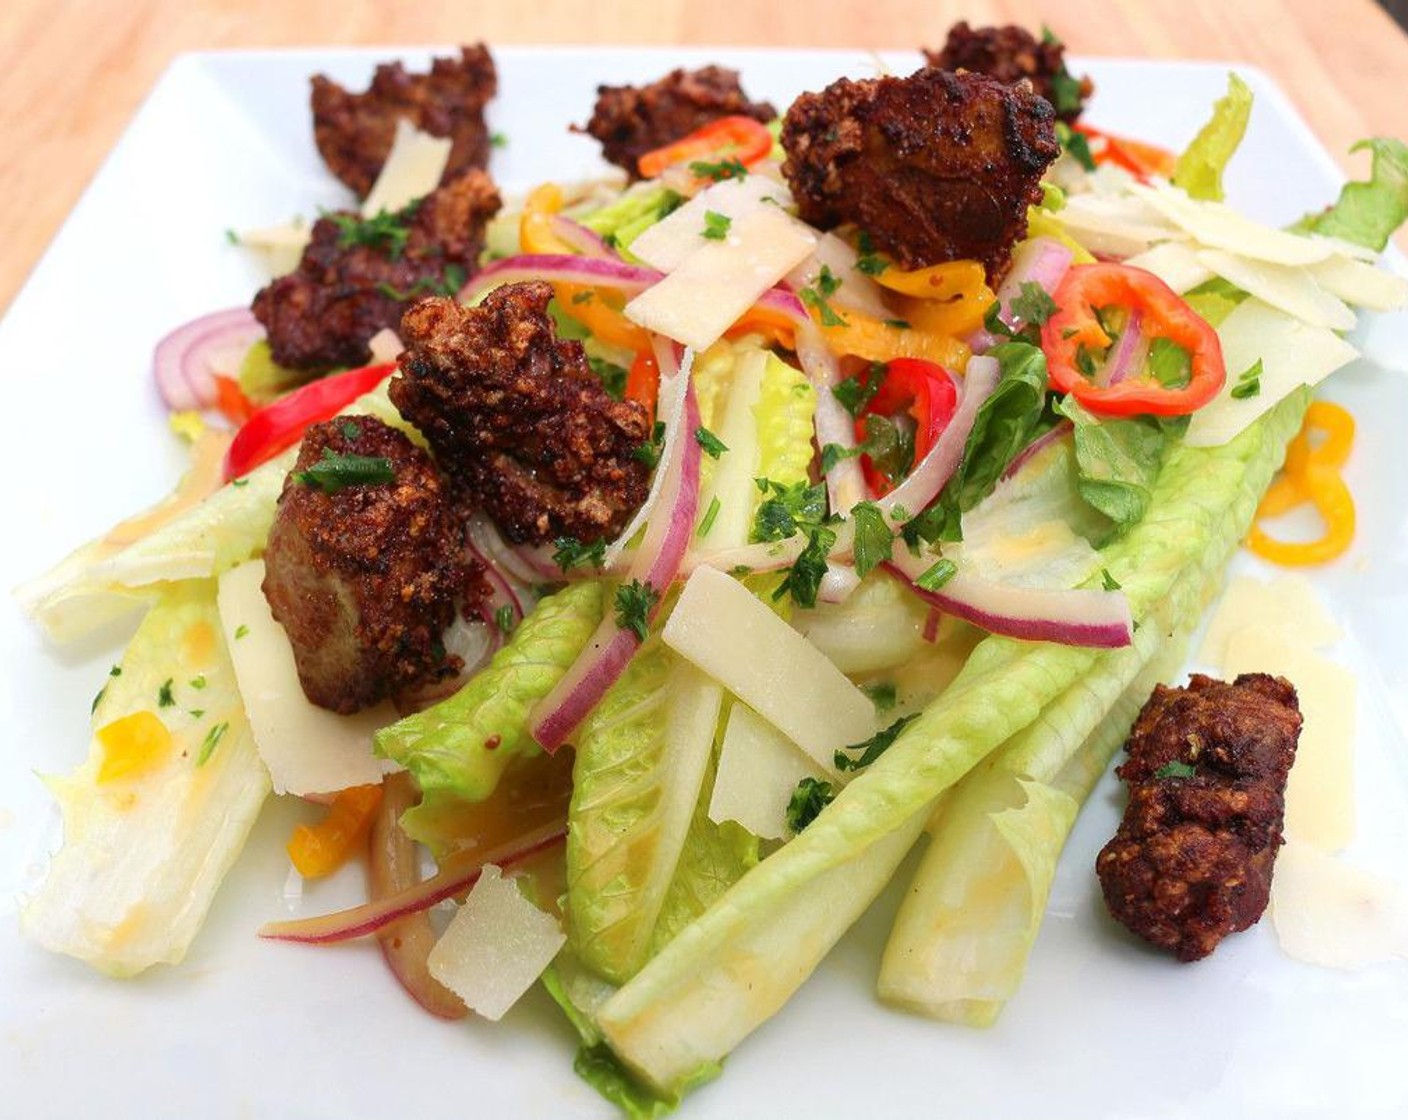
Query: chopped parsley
x=504 y=619
x=803 y=579
x=1033 y=304
x=808 y=800
x=613 y=377
x=873 y=747
x=898 y=324
x=834 y=453
x=1075 y=144
x=197 y=683
x=386 y=231
x=571 y=553
x=350 y=429
x=710 y=515
x=241 y=631
x=498 y=139
x=196 y=713
x=335 y=472
x=889 y=444
x=854 y=393
x=649 y=452
x=716 y=226
x=874 y=542
x=827 y=282
x=448 y=285
x=713 y=446
x=788 y=510
x=883 y=695
x=718 y=171
x=634 y=602
x=1175 y=770
x=232 y=237
x=1248 y=382
x=240 y=482
x=1107 y=581
x=937 y=575
x=164 y=695
x=868 y=260
x=818 y=303
x=211 y=741
x=584 y=296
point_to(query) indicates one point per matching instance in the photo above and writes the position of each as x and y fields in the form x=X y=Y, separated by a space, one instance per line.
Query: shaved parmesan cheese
x=1118 y=225
x=719 y=281
x=854 y=289
x=1320 y=806
x=759 y=769
x=1329 y=913
x=495 y=947
x=308 y=750
x=1220 y=227
x=281 y=246
x=1176 y=263
x=1361 y=284
x=667 y=243
x=1293 y=290
x=412 y=170
x=1287 y=605
x=1291 y=353
x=722 y=628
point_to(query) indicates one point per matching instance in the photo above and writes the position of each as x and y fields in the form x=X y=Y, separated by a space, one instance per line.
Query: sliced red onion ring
x=1041 y=260
x=785 y=303
x=937 y=467
x=586 y=241
x=565 y=267
x=185 y=361
x=845 y=482
x=1079 y=617
x=838 y=583
x=1062 y=429
x=523 y=563
x=853 y=288
x=931 y=624
x=456 y=877
x=1128 y=354
x=657 y=563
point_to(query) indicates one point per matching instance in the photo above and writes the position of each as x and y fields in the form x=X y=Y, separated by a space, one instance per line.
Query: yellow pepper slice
x=875 y=341
x=132 y=745
x=1311 y=473
x=320 y=849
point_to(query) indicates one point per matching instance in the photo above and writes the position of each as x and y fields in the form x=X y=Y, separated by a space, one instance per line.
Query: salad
x=864 y=671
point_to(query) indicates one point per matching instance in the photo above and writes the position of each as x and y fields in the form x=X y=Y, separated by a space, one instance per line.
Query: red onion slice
x=586 y=241
x=523 y=563
x=1041 y=260
x=1062 y=429
x=563 y=267
x=1079 y=617
x=845 y=482
x=657 y=563
x=936 y=468
x=454 y=879
x=1127 y=356
x=186 y=360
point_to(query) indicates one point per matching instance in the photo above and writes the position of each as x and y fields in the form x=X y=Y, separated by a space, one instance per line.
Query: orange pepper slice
x=736 y=137
x=320 y=849
x=865 y=337
x=597 y=309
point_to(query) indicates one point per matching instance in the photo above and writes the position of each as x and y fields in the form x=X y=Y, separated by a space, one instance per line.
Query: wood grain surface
x=72 y=72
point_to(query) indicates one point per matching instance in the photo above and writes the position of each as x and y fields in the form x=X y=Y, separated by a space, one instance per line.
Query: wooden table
x=72 y=72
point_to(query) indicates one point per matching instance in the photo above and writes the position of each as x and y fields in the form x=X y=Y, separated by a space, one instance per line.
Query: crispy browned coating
x=1011 y=53
x=354 y=131
x=934 y=167
x=632 y=120
x=344 y=290
x=519 y=418
x=366 y=579
x=1192 y=859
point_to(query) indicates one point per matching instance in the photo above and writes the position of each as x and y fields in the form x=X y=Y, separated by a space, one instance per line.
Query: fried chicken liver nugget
x=364 y=577
x=934 y=167
x=1207 y=768
x=518 y=418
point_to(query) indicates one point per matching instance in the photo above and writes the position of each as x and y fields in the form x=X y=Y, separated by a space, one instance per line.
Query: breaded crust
x=1192 y=860
x=365 y=580
x=1011 y=54
x=632 y=120
x=354 y=131
x=934 y=167
x=518 y=418
x=322 y=314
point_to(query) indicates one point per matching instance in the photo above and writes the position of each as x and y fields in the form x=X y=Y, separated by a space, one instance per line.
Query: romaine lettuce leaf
x=1117 y=461
x=461 y=746
x=1200 y=167
x=1368 y=211
x=153 y=821
x=740 y=961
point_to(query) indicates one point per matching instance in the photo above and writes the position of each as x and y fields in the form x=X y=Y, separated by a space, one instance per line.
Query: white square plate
x=246 y=1028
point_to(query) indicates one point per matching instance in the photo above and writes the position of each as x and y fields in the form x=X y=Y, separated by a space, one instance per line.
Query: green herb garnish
x=1175 y=770
x=1248 y=382
x=504 y=619
x=335 y=472
x=710 y=515
x=937 y=575
x=165 y=697
x=711 y=444
x=571 y=553
x=634 y=602
x=873 y=747
x=716 y=226
x=808 y=800
x=874 y=542
x=211 y=741
x=717 y=172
